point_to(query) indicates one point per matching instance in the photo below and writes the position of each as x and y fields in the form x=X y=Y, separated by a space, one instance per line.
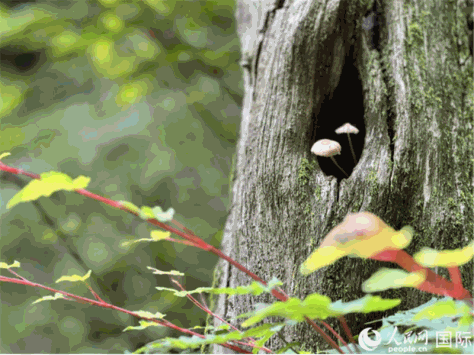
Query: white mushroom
x=327 y=148
x=348 y=129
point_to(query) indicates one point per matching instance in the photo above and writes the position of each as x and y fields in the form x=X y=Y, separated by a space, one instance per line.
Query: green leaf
x=385 y=279
x=171 y=272
x=447 y=258
x=255 y=288
x=149 y=315
x=143 y=325
x=183 y=342
x=156 y=236
x=146 y=213
x=366 y=304
x=314 y=306
x=50 y=182
x=446 y=308
x=56 y=296
x=320 y=307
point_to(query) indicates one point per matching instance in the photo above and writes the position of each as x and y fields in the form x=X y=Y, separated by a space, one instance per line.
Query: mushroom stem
x=334 y=161
x=352 y=149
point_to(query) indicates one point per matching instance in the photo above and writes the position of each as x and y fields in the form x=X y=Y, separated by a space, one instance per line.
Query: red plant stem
x=348 y=332
x=196 y=241
x=208 y=311
x=108 y=305
x=331 y=329
x=205 y=246
x=455 y=275
x=179 y=225
x=433 y=283
x=324 y=335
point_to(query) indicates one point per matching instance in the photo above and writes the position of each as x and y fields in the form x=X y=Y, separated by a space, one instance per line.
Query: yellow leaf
x=50 y=298
x=171 y=272
x=3 y=155
x=356 y=226
x=385 y=279
x=74 y=278
x=146 y=314
x=321 y=257
x=159 y=235
x=359 y=234
x=364 y=234
x=6 y=266
x=446 y=258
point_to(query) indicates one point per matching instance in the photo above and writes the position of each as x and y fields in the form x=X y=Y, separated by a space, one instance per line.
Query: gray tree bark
x=399 y=71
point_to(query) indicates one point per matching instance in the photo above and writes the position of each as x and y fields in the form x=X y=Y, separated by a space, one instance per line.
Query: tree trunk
x=402 y=74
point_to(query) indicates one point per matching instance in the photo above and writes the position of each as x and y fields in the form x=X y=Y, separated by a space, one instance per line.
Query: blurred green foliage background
x=144 y=97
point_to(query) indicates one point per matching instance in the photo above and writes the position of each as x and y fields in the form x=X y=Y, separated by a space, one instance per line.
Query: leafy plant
x=360 y=234
x=139 y=84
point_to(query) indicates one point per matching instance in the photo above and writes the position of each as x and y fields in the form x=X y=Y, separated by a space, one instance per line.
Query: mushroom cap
x=347 y=128
x=326 y=148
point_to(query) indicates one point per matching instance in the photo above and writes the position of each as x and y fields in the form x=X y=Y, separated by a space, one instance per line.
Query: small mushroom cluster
x=328 y=148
